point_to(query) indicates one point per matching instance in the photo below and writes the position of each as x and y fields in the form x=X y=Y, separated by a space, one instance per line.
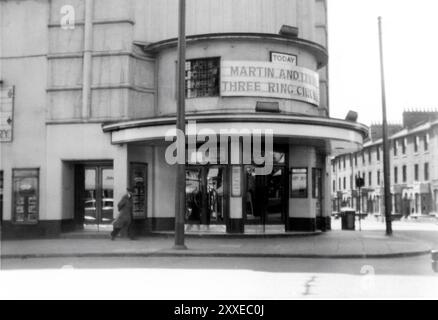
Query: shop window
x=202 y=78
x=299 y=181
x=25 y=195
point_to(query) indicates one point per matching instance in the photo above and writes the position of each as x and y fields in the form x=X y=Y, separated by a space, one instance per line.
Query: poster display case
x=25 y=196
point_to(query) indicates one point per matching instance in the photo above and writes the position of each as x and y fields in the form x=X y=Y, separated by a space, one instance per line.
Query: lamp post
x=386 y=164
x=180 y=194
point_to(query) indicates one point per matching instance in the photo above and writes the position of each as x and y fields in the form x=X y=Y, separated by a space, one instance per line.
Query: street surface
x=205 y=278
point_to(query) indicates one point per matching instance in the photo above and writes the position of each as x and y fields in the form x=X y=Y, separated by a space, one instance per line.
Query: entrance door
x=266 y=197
x=205 y=195
x=97 y=196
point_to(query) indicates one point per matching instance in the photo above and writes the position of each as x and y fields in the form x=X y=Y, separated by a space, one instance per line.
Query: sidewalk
x=334 y=244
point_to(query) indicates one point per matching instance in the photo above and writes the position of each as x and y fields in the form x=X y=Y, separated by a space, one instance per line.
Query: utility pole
x=180 y=194
x=386 y=164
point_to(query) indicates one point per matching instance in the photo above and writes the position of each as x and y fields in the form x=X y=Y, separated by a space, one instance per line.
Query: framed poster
x=138 y=182
x=299 y=183
x=236 y=182
x=25 y=196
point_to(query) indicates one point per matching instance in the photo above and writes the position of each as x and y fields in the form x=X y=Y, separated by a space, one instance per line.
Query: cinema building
x=89 y=94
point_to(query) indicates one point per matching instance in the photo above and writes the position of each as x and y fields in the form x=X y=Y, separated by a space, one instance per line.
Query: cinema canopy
x=262 y=69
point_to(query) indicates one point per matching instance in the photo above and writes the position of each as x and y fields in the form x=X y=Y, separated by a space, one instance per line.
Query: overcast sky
x=410 y=35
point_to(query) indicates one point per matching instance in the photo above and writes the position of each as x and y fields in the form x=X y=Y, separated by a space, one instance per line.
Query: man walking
x=124 y=219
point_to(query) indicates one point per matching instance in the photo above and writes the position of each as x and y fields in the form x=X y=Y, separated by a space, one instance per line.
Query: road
x=213 y=278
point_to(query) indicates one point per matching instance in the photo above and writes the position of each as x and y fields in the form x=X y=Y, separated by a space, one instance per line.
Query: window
x=378 y=178
x=405 y=174
x=25 y=195
x=334 y=166
x=416 y=144
x=426 y=171
x=344 y=160
x=334 y=186
x=416 y=172
x=378 y=153
x=340 y=184
x=404 y=143
x=339 y=163
x=351 y=182
x=202 y=78
x=355 y=159
x=369 y=155
x=299 y=188
x=363 y=157
x=370 y=179
x=395 y=148
x=395 y=175
x=345 y=183
x=426 y=142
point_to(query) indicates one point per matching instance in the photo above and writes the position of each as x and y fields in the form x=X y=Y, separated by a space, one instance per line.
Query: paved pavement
x=370 y=243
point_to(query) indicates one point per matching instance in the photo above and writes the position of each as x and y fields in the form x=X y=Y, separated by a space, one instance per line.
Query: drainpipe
x=87 y=63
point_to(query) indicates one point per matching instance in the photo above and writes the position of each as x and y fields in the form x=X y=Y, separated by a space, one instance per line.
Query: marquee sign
x=6 y=113
x=268 y=79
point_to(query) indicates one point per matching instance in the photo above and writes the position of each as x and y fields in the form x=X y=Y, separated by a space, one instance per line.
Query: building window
x=25 y=196
x=202 y=78
x=351 y=182
x=404 y=143
x=370 y=179
x=395 y=175
x=345 y=183
x=344 y=160
x=334 y=166
x=355 y=159
x=299 y=188
x=369 y=155
x=378 y=178
x=339 y=163
x=405 y=174
x=378 y=153
x=334 y=186
x=395 y=148
x=426 y=142
x=417 y=178
x=426 y=171
x=416 y=144
x=363 y=157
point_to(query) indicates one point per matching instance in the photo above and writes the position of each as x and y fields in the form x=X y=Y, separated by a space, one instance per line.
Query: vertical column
x=87 y=64
x=121 y=175
x=236 y=220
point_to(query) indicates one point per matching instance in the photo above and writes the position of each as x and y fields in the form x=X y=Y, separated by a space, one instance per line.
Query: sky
x=410 y=42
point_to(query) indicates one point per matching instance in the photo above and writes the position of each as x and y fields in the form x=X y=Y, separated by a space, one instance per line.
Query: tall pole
x=180 y=195
x=386 y=165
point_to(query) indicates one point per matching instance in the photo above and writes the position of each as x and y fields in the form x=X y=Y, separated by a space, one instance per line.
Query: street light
x=386 y=164
x=180 y=194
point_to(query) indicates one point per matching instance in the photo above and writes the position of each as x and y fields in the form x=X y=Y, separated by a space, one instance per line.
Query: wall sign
x=6 y=113
x=139 y=183
x=286 y=58
x=269 y=79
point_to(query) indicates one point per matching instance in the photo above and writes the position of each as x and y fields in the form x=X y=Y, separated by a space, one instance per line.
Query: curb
x=188 y=254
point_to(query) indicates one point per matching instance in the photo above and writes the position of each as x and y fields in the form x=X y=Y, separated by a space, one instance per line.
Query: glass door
x=98 y=196
x=206 y=195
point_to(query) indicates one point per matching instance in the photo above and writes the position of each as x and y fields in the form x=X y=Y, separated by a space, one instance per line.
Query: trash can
x=348 y=220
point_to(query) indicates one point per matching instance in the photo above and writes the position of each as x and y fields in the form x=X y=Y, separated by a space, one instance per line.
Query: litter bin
x=348 y=220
